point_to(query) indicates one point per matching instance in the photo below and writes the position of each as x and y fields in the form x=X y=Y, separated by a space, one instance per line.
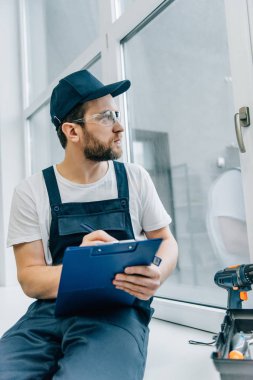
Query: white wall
x=11 y=128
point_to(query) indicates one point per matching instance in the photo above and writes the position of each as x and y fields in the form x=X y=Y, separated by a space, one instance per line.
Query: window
x=179 y=66
x=45 y=146
x=58 y=32
x=123 y=5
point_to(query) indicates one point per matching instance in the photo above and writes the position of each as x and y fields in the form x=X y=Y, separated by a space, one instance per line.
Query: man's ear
x=71 y=131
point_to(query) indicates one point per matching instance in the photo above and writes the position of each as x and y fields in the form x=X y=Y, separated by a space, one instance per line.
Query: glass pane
x=181 y=121
x=44 y=143
x=57 y=33
x=96 y=69
x=123 y=4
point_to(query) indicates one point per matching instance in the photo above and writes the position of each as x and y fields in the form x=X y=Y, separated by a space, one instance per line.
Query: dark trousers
x=101 y=346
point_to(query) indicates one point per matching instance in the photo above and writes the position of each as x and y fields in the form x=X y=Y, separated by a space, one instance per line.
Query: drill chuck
x=236 y=276
x=248 y=273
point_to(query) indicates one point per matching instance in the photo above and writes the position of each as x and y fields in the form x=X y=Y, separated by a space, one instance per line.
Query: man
x=118 y=202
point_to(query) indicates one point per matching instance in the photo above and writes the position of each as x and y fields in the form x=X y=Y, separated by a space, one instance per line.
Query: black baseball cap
x=77 y=88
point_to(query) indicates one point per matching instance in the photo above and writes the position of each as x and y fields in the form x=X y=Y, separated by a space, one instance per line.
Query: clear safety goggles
x=105 y=119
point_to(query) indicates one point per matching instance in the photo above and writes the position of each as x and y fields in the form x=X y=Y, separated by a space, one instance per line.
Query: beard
x=95 y=150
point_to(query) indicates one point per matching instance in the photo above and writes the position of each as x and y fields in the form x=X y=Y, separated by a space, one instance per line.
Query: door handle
x=242 y=119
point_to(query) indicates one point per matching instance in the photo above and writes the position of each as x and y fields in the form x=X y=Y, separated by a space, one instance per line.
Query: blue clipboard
x=87 y=274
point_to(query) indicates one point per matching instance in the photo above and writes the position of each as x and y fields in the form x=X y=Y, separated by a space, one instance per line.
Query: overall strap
x=52 y=186
x=122 y=182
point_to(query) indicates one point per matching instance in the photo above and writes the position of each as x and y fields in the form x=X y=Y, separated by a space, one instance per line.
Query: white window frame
x=108 y=46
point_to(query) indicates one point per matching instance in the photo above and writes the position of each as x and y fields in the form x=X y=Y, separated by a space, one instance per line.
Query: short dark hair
x=76 y=113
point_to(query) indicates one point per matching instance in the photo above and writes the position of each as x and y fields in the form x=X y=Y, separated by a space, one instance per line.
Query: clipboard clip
x=111 y=249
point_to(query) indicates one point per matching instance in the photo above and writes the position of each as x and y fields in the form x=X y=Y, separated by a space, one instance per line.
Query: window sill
x=170 y=356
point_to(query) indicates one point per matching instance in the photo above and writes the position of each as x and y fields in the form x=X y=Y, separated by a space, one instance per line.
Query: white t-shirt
x=30 y=216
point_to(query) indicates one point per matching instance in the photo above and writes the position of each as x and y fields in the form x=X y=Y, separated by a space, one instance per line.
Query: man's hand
x=139 y=281
x=97 y=237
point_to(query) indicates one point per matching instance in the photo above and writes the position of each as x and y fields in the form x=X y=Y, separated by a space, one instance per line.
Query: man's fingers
x=138 y=280
x=97 y=237
x=135 y=288
x=151 y=271
x=143 y=283
x=140 y=295
x=147 y=287
x=86 y=243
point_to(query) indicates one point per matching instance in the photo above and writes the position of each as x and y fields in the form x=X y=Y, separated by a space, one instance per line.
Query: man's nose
x=118 y=127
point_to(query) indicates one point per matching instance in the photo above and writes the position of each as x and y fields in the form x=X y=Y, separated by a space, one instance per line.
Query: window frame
x=108 y=47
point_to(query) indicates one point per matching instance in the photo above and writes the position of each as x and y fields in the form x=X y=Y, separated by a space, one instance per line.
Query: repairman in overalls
x=118 y=201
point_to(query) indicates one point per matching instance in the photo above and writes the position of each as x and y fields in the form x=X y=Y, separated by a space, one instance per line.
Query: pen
x=86 y=227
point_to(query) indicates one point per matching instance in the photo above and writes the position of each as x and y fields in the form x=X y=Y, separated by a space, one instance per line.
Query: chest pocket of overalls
x=80 y=224
x=82 y=218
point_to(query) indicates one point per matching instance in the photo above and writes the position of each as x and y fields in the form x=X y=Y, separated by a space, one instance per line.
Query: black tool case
x=231 y=369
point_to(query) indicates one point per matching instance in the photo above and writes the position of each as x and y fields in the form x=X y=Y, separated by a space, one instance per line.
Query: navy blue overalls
x=108 y=345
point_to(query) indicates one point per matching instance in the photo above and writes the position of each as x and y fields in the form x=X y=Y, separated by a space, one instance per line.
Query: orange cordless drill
x=237 y=280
